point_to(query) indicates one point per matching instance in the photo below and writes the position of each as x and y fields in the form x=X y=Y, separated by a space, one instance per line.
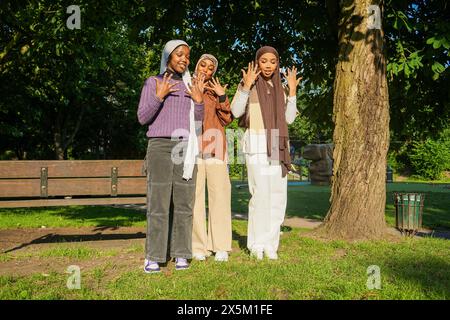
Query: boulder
x=321 y=167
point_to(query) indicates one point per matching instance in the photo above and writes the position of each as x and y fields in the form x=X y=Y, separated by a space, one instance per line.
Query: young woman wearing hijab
x=212 y=170
x=265 y=112
x=169 y=106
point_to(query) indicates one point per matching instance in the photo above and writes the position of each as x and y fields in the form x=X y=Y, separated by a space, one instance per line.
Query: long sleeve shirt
x=254 y=139
x=164 y=117
x=217 y=116
x=238 y=106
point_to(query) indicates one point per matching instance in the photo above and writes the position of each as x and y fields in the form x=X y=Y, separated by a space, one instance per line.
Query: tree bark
x=361 y=133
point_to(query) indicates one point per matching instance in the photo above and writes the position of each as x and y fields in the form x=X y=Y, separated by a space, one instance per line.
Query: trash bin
x=408 y=212
x=389 y=174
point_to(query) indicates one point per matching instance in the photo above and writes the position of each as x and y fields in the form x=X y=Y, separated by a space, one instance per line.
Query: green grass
x=307 y=269
x=303 y=201
x=79 y=253
x=421 y=180
x=313 y=202
x=71 y=216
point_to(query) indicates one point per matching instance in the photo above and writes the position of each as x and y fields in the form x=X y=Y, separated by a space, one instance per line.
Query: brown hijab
x=273 y=108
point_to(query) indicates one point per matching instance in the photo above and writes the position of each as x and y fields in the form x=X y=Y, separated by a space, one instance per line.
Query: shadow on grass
x=242 y=240
x=429 y=272
x=104 y=216
x=58 y=238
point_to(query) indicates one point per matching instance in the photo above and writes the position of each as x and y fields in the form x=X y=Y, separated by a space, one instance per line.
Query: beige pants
x=214 y=174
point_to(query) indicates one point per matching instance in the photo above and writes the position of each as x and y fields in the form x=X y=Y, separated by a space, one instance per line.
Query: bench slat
x=71 y=202
x=72 y=187
x=20 y=188
x=69 y=168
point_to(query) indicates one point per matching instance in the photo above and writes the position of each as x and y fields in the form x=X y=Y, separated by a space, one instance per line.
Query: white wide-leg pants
x=267 y=206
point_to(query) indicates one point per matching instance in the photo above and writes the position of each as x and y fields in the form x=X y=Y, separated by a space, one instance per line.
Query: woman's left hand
x=292 y=80
x=214 y=85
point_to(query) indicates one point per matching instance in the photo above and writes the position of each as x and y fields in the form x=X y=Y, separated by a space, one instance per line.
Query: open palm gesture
x=250 y=76
x=164 y=87
x=196 y=89
x=214 y=85
x=292 y=80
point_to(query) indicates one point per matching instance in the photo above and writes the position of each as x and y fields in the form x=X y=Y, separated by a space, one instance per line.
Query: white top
x=238 y=106
x=256 y=142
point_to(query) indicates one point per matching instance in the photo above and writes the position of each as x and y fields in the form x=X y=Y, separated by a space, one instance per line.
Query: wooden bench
x=66 y=182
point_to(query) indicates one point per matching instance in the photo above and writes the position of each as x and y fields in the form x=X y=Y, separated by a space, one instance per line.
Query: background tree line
x=73 y=94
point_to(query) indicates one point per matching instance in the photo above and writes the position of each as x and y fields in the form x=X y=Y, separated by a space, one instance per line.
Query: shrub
x=430 y=158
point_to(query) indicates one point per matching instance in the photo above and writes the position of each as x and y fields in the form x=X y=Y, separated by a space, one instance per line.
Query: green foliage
x=430 y=158
x=79 y=89
x=69 y=93
x=393 y=162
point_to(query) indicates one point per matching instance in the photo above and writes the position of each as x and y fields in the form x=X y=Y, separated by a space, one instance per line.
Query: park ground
x=38 y=245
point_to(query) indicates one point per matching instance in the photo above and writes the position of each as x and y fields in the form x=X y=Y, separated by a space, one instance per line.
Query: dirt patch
x=120 y=247
x=46 y=266
x=295 y=222
x=19 y=239
x=339 y=254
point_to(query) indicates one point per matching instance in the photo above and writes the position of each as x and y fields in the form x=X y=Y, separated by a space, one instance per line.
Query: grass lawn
x=307 y=269
x=303 y=201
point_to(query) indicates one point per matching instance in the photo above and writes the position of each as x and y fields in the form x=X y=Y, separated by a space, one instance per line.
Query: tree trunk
x=61 y=141
x=59 y=150
x=361 y=133
x=58 y=137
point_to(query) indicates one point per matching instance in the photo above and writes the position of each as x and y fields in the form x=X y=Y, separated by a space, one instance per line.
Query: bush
x=394 y=160
x=430 y=158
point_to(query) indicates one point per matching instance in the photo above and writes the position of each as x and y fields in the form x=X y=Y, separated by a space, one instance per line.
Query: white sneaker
x=151 y=266
x=258 y=254
x=221 y=256
x=199 y=257
x=272 y=255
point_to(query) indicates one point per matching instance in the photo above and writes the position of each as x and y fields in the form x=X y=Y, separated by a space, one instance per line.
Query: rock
x=321 y=167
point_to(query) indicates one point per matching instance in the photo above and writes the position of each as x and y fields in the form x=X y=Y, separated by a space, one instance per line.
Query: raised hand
x=292 y=80
x=250 y=76
x=164 y=87
x=214 y=85
x=196 y=89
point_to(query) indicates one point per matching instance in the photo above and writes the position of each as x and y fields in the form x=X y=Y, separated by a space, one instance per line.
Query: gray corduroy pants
x=170 y=202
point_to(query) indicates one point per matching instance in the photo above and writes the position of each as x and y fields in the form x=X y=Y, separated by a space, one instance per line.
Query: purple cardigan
x=164 y=117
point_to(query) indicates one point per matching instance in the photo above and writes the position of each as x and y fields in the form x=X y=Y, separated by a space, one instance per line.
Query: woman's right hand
x=250 y=76
x=164 y=87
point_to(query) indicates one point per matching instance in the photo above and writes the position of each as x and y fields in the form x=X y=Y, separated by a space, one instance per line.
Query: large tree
x=361 y=119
